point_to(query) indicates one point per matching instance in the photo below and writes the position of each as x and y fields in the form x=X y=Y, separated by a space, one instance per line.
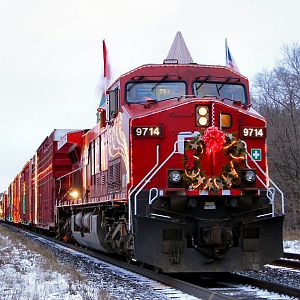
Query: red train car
x=3 y=206
x=25 y=204
x=9 y=203
x=52 y=160
x=175 y=173
x=15 y=204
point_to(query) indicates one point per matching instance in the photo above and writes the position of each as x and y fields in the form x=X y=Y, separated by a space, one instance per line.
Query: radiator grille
x=114 y=176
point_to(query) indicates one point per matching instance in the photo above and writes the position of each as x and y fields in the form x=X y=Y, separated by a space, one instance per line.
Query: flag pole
x=106 y=75
x=226 y=55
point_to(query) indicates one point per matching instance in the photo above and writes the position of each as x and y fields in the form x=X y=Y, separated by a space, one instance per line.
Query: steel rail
x=289 y=260
x=264 y=284
x=291 y=255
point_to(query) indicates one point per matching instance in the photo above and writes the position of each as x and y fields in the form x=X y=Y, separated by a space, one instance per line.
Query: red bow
x=214 y=139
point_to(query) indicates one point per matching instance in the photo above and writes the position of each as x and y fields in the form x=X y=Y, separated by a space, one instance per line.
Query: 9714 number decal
x=253 y=132
x=148 y=131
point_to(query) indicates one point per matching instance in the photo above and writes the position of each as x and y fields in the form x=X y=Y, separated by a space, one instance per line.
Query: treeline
x=276 y=95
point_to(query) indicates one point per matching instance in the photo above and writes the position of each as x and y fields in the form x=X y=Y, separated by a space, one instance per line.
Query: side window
x=92 y=161
x=103 y=154
x=97 y=155
x=93 y=157
x=114 y=103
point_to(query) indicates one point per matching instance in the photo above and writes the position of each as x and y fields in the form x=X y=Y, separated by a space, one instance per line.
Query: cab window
x=235 y=92
x=114 y=102
x=139 y=92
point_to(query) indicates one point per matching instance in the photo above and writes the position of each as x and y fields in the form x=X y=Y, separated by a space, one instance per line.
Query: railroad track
x=265 y=285
x=240 y=286
x=233 y=287
x=171 y=284
x=290 y=260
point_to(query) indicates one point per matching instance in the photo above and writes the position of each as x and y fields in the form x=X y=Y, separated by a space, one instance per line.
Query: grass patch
x=50 y=262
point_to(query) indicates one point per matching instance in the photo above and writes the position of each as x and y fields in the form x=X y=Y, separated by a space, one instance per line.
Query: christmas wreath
x=209 y=142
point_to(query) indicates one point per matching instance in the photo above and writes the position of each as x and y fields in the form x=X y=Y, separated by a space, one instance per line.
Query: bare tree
x=277 y=97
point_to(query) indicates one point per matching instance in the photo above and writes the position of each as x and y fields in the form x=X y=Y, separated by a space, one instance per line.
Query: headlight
x=250 y=176
x=202 y=116
x=175 y=177
x=74 y=194
x=202 y=110
x=203 y=121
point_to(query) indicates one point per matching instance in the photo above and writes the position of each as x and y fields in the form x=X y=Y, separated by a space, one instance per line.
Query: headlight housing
x=250 y=176
x=175 y=177
x=202 y=116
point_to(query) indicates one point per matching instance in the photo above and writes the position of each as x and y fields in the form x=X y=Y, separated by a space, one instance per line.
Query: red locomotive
x=174 y=174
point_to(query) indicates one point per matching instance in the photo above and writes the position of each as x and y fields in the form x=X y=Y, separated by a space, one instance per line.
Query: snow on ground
x=32 y=270
x=292 y=246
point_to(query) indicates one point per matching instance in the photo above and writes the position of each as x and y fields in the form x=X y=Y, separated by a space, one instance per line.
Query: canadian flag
x=106 y=65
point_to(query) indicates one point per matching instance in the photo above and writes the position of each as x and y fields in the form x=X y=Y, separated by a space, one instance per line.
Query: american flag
x=230 y=62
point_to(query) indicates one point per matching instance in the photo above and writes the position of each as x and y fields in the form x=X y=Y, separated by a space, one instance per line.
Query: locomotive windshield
x=220 y=90
x=139 y=92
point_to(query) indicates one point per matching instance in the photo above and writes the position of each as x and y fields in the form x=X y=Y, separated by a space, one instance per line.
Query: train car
x=175 y=174
x=25 y=204
x=15 y=200
x=9 y=203
x=53 y=159
x=3 y=206
x=2 y=210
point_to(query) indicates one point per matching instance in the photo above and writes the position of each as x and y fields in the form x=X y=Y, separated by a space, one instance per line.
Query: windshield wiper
x=201 y=83
x=222 y=85
x=158 y=83
x=199 y=86
x=134 y=83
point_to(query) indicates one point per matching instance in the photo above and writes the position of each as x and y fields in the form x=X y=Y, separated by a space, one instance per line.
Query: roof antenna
x=179 y=53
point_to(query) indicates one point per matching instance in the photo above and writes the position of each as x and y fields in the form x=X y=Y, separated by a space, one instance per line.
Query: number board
x=148 y=131
x=253 y=132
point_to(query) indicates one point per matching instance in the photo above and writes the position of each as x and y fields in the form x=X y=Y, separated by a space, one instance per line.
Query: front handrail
x=178 y=148
x=151 y=199
x=138 y=185
x=270 y=190
x=150 y=175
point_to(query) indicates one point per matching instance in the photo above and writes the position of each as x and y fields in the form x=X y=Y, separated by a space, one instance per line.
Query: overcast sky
x=51 y=54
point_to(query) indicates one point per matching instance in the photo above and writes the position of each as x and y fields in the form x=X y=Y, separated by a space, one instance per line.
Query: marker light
x=226 y=121
x=250 y=176
x=202 y=116
x=175 y=177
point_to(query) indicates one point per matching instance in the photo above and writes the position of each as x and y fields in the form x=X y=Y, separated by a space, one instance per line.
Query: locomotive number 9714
x=149 y=131
x=251 y=132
